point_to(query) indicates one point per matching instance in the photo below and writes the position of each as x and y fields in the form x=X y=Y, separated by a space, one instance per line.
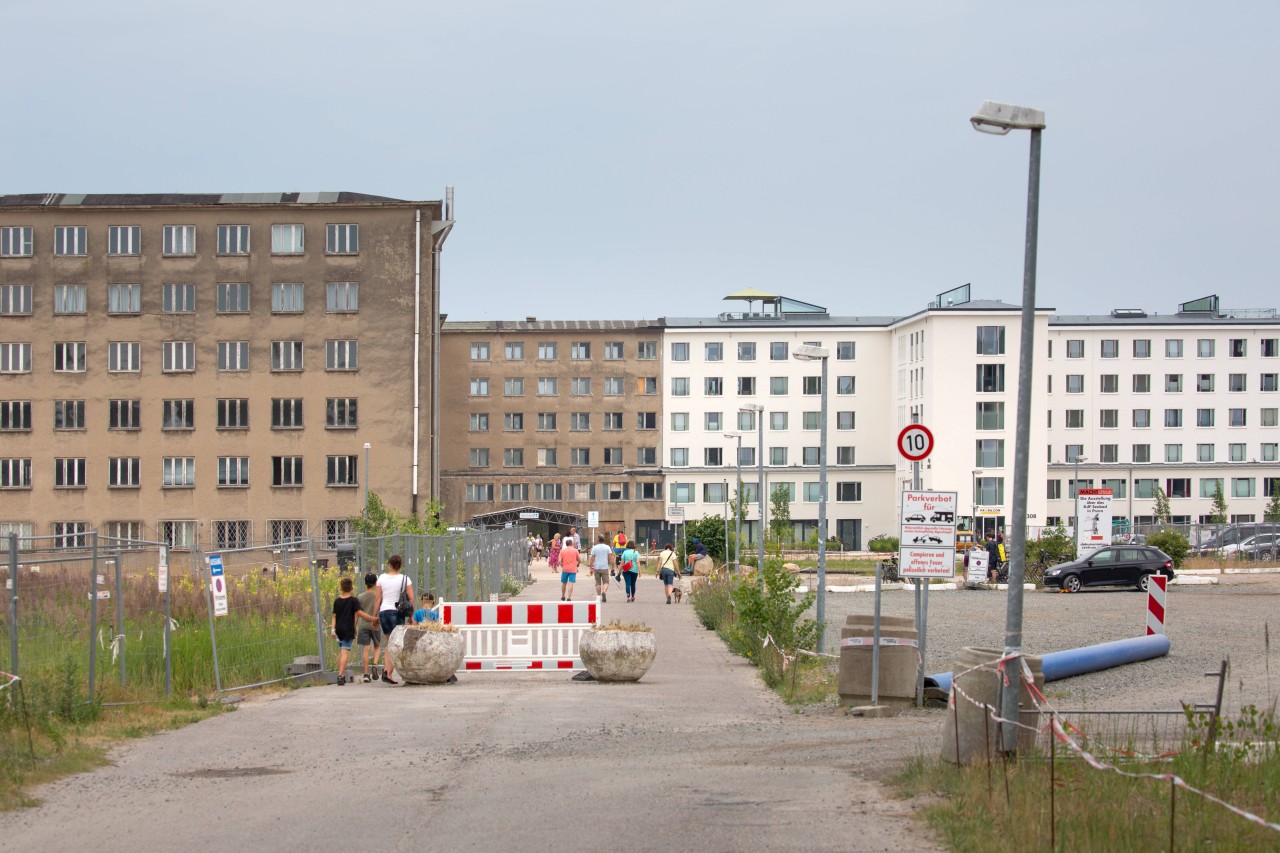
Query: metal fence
x=95 y=621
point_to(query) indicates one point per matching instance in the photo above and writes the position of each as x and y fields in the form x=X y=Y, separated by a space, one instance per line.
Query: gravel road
x=1205 y=625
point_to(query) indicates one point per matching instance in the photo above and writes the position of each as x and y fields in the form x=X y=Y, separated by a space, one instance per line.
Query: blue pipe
x=1065 y=664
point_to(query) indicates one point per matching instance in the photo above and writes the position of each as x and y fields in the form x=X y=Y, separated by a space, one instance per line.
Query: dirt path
x=697 y=756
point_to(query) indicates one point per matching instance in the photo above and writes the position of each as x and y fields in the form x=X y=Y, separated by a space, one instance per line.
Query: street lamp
x=1075 y=489
x=812 y=353
x=365 y=514
x=997 y=118
x=977 y=472
x=757 y=411
x=737 y=520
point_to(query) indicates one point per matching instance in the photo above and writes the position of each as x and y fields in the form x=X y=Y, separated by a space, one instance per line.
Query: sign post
x=915 y=442
x=218 y=585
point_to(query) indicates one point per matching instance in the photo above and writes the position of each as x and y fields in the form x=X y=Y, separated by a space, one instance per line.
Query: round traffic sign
x=915 y=442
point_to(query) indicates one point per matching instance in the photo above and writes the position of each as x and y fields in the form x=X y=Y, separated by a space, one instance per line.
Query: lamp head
x=751 y=407
x=997 y=118
x=806 y=352
x=367 y=445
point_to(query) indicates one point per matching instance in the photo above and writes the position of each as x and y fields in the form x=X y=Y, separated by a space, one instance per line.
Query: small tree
x=1161 y=509
x=1272 y=512
x=780 y=514
x=709 y=530
x=382 y=520
x=1219 y=514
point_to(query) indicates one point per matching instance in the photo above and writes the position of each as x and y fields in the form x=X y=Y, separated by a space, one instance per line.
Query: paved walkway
x=697 y=756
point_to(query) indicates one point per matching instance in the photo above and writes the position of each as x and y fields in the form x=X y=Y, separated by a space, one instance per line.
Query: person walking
x=619 y=543
x=342 y=624
x=568 y=569
x=575 y=538
x=553 y=553
x=369 y=637
x=629 y=562
x=601 y=556
x=390 y=584
x=667 y=569
x=993 y=559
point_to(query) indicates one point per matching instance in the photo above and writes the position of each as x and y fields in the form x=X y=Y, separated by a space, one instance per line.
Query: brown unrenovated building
x=210 y=369
x=548 y=421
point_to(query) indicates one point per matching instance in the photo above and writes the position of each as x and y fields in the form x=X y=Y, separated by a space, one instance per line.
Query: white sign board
x=593 y=518
x=529 y=515
x=927 y=535
x=977 y=566
x=217 y=585
x=162 y=569
x=1093 y=520
x=675 y=514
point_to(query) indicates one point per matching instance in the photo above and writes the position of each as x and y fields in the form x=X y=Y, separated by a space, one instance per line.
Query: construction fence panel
x=132 y=637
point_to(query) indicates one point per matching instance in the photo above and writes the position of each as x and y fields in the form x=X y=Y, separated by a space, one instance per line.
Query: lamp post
x=757 y=411
x=365 y=513
x=737 y=513
x=812 y=353
x=1075 y=490
x=977 y=472
x=997 y=118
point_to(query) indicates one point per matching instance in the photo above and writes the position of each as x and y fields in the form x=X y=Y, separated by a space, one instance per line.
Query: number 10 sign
x=915 y=442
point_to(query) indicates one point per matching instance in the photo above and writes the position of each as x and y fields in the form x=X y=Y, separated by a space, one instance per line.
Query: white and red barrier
x=521 y=635
x=1156 y=587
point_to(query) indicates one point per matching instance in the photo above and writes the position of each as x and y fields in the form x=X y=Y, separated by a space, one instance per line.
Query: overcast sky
x=617 y=160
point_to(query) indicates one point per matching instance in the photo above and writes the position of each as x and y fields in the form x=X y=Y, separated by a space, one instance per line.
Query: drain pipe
x=417 y=338
x=439 y=233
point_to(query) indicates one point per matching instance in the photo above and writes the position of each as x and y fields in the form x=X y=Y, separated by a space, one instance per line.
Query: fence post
x=168 y=621
x=93 y=619
x=202 y=571
x=120 y=631
x=13 y=603
x=315 y=601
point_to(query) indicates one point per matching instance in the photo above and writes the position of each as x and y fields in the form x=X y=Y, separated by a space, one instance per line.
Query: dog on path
x=676 y=593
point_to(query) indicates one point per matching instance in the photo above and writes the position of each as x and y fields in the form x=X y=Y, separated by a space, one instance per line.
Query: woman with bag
x=553 y=554
x=629 y=564
x=394 y=605
x=667 y=569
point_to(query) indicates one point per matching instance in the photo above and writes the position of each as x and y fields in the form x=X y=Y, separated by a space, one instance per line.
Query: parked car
x=1129 y=539
x=1116 y=565
x=1234 y=535
x=1260 y=547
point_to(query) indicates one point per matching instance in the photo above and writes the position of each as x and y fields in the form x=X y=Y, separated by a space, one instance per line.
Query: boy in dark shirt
x=342 y=624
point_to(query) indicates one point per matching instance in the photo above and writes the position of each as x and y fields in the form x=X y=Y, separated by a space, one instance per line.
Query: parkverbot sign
x=927 y=535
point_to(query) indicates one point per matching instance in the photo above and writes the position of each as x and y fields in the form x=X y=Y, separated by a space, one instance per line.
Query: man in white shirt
x=601 y=554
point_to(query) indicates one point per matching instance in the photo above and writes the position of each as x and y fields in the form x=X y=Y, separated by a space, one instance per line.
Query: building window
x=1173 y=348
x=287 y=530
x=513 y=386
x=1109 y=418
x=179 y=299
x=811 y=420
x=1173 y=383
x=1243 y=487
x=1204 y=348
x=479 y=492
x=714 y=493
x=179 y=471
x=714 y=351
x=1270 y=347
x=810 y=455
x=15 y=473
x=341 y=355
x=1237 y=417
x=480 y=422
x=1270 y=417
x=69 y=357
x=179 y=535
x=287 y=239
x=70 y=240
x=777 y=456
x=546 y=457
x=580 y=456
x=124 y=356
x=340 y=413
x=124 y=299
x=612 y=421
x=546 y=422
x=68 y=299
x=286 y=413
x=513 y=351
x=845 y=455
x=613 y=386
x=15 y=241
x=679 y=457
x=178 y=414
x=679 y=421
x=1053 y=490
x=479 y=457
x=15 y=415
x=1110 y=348
x=233 y=356
x=746 y=351
x=713 y=456
x=989 y=453
x=680 y=351
x=342 y=239
x=1142 y=383
x=233 y=239
x=849 y=492
x=515 y=491
x=68 y=414
x=647 y=350
x=1173 y=453
x=479 y=352
x=233 y=413
x=646 y=420
x=179 y=356
x=778 y=420
x=547 y=386
x=811 y=385
x=286 y=297
x=846 y=420
x=233 y=471
x=233 y=297
x=71 y=534
x=513 y=457
x=1269 y=449
x=580 y=386
x=846 y=350
x=1267 y=382
x=1204 y=453
x=15 y=299
x=1108 y=453
x=546 y=351
x=1075 y=383
x=1109 y=383
x=1238 y=347
x=613 y=351
x=1204 y=382
x=990 y=416
x=990 y=378
x=286 y=355
x=341 y=471
x=179 y=240
x=848 y=384
x=286 y=470
x=646 y=386
x=1142 y=348
x=235 y=534
x=1236 y=383
x=746 y=386
x=713 y=386
x=1142 y=418
x=1204 y=417
x=679 y=386
x=647 y=456
x=1141 y=453
x=513 y=422
x=1173 y=417
x=1075 y=349
x=778 y=351
x=778 y=385
x=15 y=358
x=342 y=297
x=123 y=529
x=580 y=350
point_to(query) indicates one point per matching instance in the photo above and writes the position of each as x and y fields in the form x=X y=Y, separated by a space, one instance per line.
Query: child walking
x=342 y=624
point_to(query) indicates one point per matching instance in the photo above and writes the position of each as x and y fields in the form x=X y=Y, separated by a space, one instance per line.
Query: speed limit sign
x=915 y=442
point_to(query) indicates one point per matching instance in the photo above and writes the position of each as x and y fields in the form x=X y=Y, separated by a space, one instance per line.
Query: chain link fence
x=89 y=618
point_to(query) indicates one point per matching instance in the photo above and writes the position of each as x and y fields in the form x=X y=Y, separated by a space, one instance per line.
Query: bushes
x=1053 y=547
x=1172 y=543
x=883 y=544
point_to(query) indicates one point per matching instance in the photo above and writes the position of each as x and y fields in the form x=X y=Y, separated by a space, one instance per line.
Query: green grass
x=1099 y=810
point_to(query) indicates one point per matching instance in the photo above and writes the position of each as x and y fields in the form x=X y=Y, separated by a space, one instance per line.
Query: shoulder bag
x=404 y=604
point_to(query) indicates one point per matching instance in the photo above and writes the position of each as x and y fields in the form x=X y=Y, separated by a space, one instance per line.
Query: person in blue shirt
x=426 y=612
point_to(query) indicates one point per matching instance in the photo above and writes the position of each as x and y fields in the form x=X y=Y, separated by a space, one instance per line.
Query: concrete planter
x=618 y=655
x=424 y=657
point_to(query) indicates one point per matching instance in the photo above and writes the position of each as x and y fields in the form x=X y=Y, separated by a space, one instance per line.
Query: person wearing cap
x=696 y=552
x=369 y=635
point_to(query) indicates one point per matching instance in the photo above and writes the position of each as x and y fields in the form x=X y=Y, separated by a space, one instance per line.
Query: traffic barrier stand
x=521 y=635
x=1156 y=588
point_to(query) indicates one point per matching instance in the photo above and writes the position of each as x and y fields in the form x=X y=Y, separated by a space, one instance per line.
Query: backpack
x=622 y=540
